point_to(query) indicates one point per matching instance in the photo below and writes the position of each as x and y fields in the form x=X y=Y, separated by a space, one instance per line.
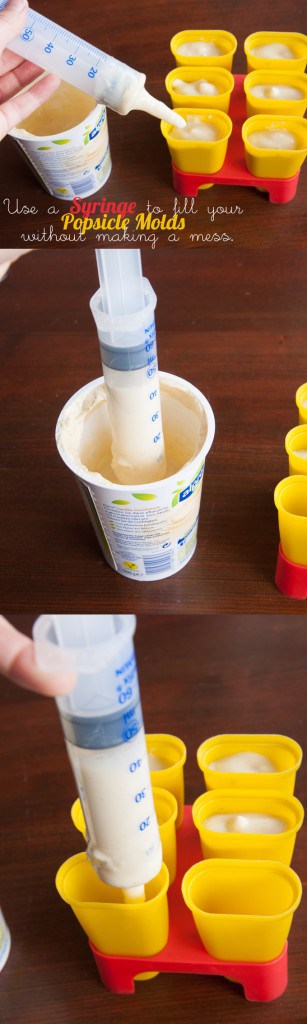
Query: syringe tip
x=135 y=894
x=144 y=101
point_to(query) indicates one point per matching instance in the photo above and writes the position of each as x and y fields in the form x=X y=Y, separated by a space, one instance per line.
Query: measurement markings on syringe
x=152 y=367
x=44 y=36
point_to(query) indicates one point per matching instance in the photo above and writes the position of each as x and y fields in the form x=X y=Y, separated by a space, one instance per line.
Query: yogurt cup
x=290 y=498
x=285 y=753
x=115 y=928
x=271 y=105
x=149 y=531
x=225 y=40
x=301 y=402
x=249 y=846
x=295 y=40
x=5 y=941
x=198 y=156
x=75 y=162
x=242 y=909
x=296 y=448
x=220 y=77
x=275 y=163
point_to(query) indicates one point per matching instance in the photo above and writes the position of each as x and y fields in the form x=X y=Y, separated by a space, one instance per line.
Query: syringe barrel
x=126 y=342
x=105 y=740
x=53 y=48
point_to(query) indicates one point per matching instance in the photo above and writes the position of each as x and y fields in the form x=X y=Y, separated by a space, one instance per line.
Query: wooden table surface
x=213 y=675
x=141 y=163
x=235 y=331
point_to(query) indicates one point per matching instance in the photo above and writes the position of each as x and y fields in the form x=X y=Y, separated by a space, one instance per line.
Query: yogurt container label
x=147 y=536
x=74 y=163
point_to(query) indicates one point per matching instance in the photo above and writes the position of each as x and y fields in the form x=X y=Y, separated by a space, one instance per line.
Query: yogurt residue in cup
x=273 y=51
x=276 y=92
x=199 y=48
x=198 y=88
x=301 y=452
x=245 y=824
x=273 y=138
x=244 y=761
x=196 y=130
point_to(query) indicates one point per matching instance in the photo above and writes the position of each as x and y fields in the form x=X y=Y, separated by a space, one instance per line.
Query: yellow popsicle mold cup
x=220 y=77
x=197 y=156
x=242 y=909
x=173 y=751
x=296 y=442
x=284 y=752
x=226 y=40
x=290 y=498
x=259 y=105
x=116 y=928
x=275 y=163
x=301 y=402
x=166 y=810
x=275 y=846
x=295 y=40
x=78 y=818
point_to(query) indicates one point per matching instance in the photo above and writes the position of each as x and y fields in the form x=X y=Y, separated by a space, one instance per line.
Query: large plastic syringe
x=83 y=65
x=123 y=310
x=104 y=733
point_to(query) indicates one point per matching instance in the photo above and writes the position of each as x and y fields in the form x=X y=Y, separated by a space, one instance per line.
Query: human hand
x=17 y=661
x=8 y=256
x=16 y=73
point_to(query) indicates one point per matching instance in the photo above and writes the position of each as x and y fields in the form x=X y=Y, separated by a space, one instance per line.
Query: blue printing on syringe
x=103 y=731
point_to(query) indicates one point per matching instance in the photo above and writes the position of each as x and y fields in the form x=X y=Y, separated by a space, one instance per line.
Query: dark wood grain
x=141 y=165
x=236 y=330
x=223 y=673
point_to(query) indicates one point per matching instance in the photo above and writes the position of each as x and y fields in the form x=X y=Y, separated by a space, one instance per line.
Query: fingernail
x=17 y=5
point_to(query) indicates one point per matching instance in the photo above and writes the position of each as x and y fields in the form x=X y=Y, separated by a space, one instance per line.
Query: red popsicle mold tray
x=234 y=170
x=290 y=578
x=184 y=952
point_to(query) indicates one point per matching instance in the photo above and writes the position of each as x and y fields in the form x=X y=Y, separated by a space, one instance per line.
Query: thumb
x=12 y=19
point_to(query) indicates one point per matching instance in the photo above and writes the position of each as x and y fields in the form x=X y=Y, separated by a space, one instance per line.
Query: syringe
x=89 y=69
x=104 y=733
x=123 y=310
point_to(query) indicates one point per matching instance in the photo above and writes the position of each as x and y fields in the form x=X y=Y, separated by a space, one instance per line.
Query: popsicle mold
x=184 y=952
x=274 y=163
x=166 y=808
x=290 y=498
x=295 y=40
x=284 y=752
x=234 y=170
x=220 y=77
x=296 y=448
x=194 y=156
x=271 y=105
x=115 y=927
x=169 y=749
x=290 y=578
x=242 y=908
x=225 y=40
x=274 y=846
x=301 y=402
